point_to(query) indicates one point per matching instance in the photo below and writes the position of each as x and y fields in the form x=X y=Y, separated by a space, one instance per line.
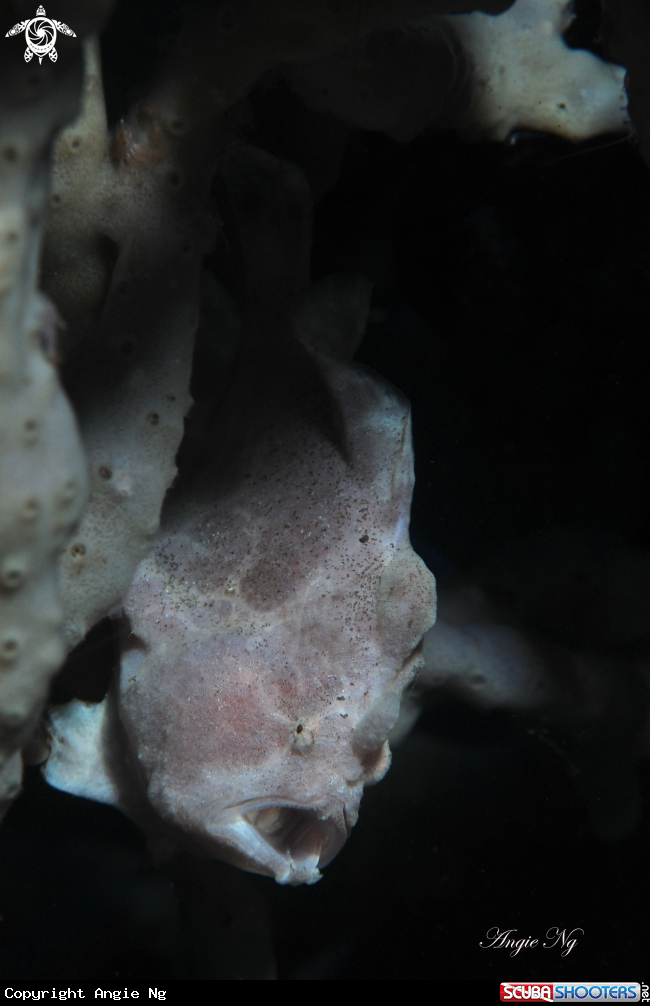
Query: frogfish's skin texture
x=278 y=620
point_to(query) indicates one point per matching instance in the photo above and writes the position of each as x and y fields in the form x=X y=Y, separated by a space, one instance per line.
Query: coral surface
x=486 y=76
x=42 y=466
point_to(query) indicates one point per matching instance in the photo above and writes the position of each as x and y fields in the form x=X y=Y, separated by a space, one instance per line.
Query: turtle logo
x=40 y=35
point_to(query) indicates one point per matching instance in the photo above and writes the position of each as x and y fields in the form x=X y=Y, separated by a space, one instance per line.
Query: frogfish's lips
x=282 y=839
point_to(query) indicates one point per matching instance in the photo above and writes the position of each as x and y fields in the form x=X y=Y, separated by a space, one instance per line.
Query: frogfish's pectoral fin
x=80 y=761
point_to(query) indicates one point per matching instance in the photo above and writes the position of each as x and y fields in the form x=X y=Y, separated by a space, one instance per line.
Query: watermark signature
x=507 y=939
x=40 y=35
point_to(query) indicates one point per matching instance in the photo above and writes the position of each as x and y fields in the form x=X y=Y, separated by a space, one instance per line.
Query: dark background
x=511 y=299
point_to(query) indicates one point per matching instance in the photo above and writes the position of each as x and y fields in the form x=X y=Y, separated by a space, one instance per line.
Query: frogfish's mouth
x=283 y=840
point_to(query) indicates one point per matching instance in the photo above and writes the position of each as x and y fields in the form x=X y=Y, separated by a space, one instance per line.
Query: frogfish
x=270 y=634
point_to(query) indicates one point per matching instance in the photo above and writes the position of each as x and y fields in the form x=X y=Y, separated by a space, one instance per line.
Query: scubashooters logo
x=40 y=35
x=569 y=992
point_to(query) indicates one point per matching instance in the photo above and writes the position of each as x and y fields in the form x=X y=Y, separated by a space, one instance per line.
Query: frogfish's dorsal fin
x=271 y=208
x=331 y=317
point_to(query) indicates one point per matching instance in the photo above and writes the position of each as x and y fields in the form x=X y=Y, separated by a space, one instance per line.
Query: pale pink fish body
x=278 y=620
